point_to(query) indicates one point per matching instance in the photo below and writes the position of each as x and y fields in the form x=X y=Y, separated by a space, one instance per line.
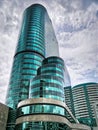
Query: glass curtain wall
x=49 y=82
x=29 y=54
x=33 y=74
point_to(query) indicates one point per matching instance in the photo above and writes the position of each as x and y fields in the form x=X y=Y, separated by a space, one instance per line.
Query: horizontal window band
x=44 y=93
x=48 y=85
x=45 y=100
x=29 y=51
x=51 y=118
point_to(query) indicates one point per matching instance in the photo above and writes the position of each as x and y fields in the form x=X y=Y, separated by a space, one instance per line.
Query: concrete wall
x=95 y=128
x=3 y=116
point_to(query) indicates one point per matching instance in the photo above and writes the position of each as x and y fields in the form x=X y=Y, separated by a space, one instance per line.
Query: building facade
x=30 y=52
x=36 y=88
x=46 y=98
x=84 y=97
x=69 y=99
x=95 y=106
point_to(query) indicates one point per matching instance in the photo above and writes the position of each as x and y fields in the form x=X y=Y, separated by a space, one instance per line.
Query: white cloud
x=80 y=54
x=79 y=46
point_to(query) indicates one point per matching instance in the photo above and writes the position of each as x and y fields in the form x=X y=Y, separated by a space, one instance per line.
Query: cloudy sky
x=76 y=26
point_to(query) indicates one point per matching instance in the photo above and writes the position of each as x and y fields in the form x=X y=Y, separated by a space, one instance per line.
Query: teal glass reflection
x=49 y=82
x=44 y=109
x=41 y=108
x=30 y=52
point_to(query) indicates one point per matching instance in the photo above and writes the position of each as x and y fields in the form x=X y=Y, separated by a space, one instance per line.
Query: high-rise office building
x=82 y=101
x=37 y=78
x=36 y=36
x=84 y=97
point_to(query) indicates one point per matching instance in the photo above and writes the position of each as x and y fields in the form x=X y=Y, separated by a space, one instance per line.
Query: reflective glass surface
x=52 y=69
x=24 y=68
x=11 y=119
x=51 y=45
x=30 y=52
x=44 y=109
x=31 y=76
x=54 y=59
x=88 y=121
x=45 y=86
x=59 y=66
x=32 y=31
x=41 y=108
x=42 y=126
x=49 y=82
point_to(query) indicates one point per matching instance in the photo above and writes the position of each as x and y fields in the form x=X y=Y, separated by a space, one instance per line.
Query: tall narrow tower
x=35 y=32
x=36 y=88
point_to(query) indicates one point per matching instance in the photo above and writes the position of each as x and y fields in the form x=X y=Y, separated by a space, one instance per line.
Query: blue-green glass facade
x=44 y=109
x=49 y=82
x=29 y=54
x=36 y=74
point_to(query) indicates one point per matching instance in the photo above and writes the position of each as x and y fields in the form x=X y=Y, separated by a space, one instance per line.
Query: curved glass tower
x=49 y=82
x=37 y=78
x=29 y=54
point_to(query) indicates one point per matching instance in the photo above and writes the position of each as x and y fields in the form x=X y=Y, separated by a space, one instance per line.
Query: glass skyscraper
x=36 y=89
x=29 y=54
